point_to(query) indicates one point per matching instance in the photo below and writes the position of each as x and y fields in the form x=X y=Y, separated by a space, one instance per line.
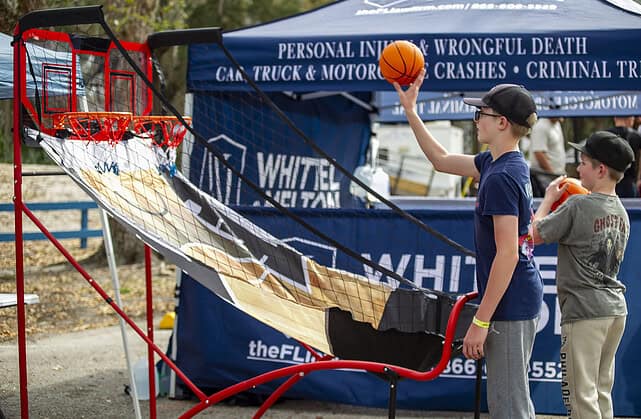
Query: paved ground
x=82 y=375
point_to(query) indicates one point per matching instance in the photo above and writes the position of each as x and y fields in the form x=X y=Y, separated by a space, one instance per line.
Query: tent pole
x=174 y=339
x=113 y=270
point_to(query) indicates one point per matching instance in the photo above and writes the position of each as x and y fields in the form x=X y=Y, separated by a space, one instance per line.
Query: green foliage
x=11 y=11
x=239 y=13
x=134 y=20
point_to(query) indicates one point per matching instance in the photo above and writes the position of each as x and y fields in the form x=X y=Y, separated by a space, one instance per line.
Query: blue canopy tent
x=546 y=45
x=468 y=46
x=538 y=45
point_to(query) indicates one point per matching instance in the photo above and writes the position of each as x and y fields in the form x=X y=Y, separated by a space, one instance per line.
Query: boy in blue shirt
x=510 y=287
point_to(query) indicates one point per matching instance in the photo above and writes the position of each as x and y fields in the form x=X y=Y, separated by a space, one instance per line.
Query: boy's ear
x=603 y=170
x=505 y=123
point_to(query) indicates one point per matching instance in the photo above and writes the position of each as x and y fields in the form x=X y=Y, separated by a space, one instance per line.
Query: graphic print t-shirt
x=592 y=232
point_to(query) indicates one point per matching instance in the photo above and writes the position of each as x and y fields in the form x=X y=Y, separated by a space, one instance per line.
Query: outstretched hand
x=409 y=97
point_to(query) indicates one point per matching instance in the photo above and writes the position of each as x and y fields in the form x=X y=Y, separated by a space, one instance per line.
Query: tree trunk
x=128 y=248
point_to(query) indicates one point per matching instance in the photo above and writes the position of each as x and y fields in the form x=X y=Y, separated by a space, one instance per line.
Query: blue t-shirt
x=505 y=189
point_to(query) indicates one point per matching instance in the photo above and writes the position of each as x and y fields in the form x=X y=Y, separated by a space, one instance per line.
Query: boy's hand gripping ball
x=574 y=187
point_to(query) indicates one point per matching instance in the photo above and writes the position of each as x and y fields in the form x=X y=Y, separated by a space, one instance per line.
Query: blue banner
x=272 y=155
x=219 y=345
x=434 y=106
x=467 y=45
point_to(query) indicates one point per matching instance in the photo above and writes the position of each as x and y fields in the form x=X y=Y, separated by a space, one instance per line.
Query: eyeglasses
x=477 y=115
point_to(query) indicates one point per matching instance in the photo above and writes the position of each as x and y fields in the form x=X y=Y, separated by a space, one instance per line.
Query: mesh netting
x=244 y=211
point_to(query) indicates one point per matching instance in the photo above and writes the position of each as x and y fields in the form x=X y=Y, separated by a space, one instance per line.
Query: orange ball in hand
x=574 y=187
x=400 y=62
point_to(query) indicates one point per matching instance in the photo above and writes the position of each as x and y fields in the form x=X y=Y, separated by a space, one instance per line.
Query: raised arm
x=456 y=164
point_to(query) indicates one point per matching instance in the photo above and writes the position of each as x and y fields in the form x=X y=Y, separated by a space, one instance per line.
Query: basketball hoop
x=92 y=126
x=167 y=131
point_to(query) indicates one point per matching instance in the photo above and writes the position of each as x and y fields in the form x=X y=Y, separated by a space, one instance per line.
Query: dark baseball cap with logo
x=608 y=148
x=510 y=100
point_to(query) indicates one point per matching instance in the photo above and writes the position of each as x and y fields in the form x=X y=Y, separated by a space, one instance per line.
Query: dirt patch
x=67 y=301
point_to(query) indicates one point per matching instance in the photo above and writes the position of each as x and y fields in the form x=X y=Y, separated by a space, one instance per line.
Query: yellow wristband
x=480 y=323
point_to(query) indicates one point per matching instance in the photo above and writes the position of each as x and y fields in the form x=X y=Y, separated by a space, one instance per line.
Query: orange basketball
x=574 y=187
x=401 y=61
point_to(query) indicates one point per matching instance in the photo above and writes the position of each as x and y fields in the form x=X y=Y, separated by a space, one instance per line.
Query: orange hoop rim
x=158 y=118
x=93 y=126
x=59 y=118
x=167 y=126
x=111 y=126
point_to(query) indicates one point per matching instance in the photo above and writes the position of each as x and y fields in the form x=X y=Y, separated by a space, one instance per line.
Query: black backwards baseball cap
x=510 y=100
x=608 y=148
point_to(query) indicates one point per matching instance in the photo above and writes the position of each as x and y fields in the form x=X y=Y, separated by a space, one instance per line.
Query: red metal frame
x=20 y=86
x=42 y=34
x=20 y=208
x=295 y=373
x=109 y=300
